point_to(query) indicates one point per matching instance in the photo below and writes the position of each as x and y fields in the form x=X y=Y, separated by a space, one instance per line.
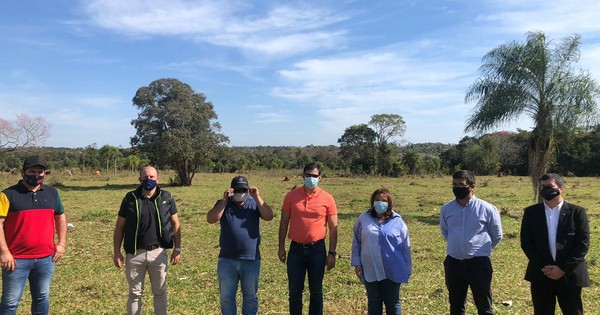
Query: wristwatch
x=177 y=249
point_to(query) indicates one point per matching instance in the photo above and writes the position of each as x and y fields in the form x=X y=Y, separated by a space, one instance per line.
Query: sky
x=278 y=73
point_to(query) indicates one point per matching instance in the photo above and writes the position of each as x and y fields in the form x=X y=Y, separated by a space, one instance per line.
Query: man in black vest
x=555 y=236
x=147 y=225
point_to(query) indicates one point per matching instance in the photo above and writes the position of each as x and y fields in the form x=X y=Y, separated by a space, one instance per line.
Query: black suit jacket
x=572 y=244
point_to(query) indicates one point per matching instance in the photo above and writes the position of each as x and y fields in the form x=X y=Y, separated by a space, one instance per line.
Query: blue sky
x=277 y=72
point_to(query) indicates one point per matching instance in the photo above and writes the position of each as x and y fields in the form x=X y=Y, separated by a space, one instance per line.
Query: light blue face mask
x=380 y=206
x=311 y=182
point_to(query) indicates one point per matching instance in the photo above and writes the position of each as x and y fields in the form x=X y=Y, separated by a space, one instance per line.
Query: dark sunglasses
x=311 y=175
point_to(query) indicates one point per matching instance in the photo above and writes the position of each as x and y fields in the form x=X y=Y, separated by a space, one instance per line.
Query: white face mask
x=240 y=197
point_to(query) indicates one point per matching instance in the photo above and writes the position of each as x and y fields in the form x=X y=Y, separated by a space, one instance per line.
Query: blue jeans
x=303 y=259
x=386 y=292
x=230 y=273
x=39 y=272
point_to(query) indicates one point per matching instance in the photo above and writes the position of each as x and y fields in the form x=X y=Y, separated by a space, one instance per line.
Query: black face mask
x=33 y=180
x=549 y=193
x=461 y=192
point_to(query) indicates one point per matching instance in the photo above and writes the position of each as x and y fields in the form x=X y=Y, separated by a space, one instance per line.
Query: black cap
x=239 y=182
x=33 y=161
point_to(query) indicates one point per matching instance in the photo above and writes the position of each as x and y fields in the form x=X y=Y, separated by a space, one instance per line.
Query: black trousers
x=462 y=274
x=544 y=295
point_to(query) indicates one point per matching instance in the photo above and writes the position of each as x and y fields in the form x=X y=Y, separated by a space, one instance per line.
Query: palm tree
x=539 y=81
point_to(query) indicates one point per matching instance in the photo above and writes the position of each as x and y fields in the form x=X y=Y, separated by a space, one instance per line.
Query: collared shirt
x=552 y=216
x=382 y=249
x=308 y=214
x=30 y=219
x=470 y=231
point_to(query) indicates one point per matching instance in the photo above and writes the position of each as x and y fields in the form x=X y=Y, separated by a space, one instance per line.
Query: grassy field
x=86 y=282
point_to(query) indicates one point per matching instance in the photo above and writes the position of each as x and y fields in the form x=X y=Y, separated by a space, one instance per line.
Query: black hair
x=311 y=166
x=466 y=175
x=560 y=182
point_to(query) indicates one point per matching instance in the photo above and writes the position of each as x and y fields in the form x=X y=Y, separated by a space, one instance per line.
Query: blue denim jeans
x=230 y=273
x=39 y=272
x=386 y=292
x=303 y=259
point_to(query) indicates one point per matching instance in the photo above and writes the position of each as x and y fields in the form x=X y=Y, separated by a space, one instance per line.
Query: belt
x=150 y=247
x=308 y=245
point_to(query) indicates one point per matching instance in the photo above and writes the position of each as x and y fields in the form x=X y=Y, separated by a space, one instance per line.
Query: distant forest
x=577 y=154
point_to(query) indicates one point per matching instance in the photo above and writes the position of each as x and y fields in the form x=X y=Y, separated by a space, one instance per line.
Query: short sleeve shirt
x=308 y=214
x=240 y=233
x=29 y=220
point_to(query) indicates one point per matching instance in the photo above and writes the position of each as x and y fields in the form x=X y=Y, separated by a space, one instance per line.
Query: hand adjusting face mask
x=240 y=197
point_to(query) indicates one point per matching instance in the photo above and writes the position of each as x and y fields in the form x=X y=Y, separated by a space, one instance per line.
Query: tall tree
x=24 y=131
x=90 y=157
x=176 y=127
x=538 y=80
x=357 y=148
x=110 y=154
x=387 y=127
x=412 y=159
x=482 y=157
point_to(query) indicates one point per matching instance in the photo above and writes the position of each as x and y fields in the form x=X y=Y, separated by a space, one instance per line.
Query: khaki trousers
x=155 y=262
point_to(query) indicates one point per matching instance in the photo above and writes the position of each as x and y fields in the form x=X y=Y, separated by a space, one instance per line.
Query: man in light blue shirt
x=471 y=228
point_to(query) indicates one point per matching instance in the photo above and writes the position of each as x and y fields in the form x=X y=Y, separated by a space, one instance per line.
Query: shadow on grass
x=344 y=216
x=430 y=220
x=512 y=213
x=101 y=187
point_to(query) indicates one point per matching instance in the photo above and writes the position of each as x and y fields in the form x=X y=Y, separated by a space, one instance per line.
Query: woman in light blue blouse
x=381 y=253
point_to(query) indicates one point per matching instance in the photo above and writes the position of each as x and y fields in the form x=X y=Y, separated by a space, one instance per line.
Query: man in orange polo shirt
x=308 y=211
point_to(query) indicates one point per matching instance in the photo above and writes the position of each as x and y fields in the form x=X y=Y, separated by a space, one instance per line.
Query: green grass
x=86 y=282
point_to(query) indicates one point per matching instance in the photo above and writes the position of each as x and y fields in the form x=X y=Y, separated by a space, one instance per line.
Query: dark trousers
x=544 y=295
x=383 y=292
x=462 y=274
x=303 y=259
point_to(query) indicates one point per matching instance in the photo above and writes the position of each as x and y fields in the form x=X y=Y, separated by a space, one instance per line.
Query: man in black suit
x=555 y=237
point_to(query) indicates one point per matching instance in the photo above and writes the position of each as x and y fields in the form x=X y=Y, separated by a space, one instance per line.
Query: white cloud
x=101 y=102
x=267 y=118
x=555 y=17
x=157 y=17
x=348 y=89
x=76 y=121
x=281 y=31
x=590 y=60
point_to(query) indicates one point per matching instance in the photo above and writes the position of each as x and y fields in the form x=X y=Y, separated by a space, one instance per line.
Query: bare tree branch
x=24 y=131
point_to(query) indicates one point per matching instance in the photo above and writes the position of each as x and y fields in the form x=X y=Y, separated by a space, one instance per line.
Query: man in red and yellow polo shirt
x=30 y=212
x=308 y=211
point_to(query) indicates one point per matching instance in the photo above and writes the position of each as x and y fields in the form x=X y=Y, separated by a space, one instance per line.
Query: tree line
x=504 y=153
